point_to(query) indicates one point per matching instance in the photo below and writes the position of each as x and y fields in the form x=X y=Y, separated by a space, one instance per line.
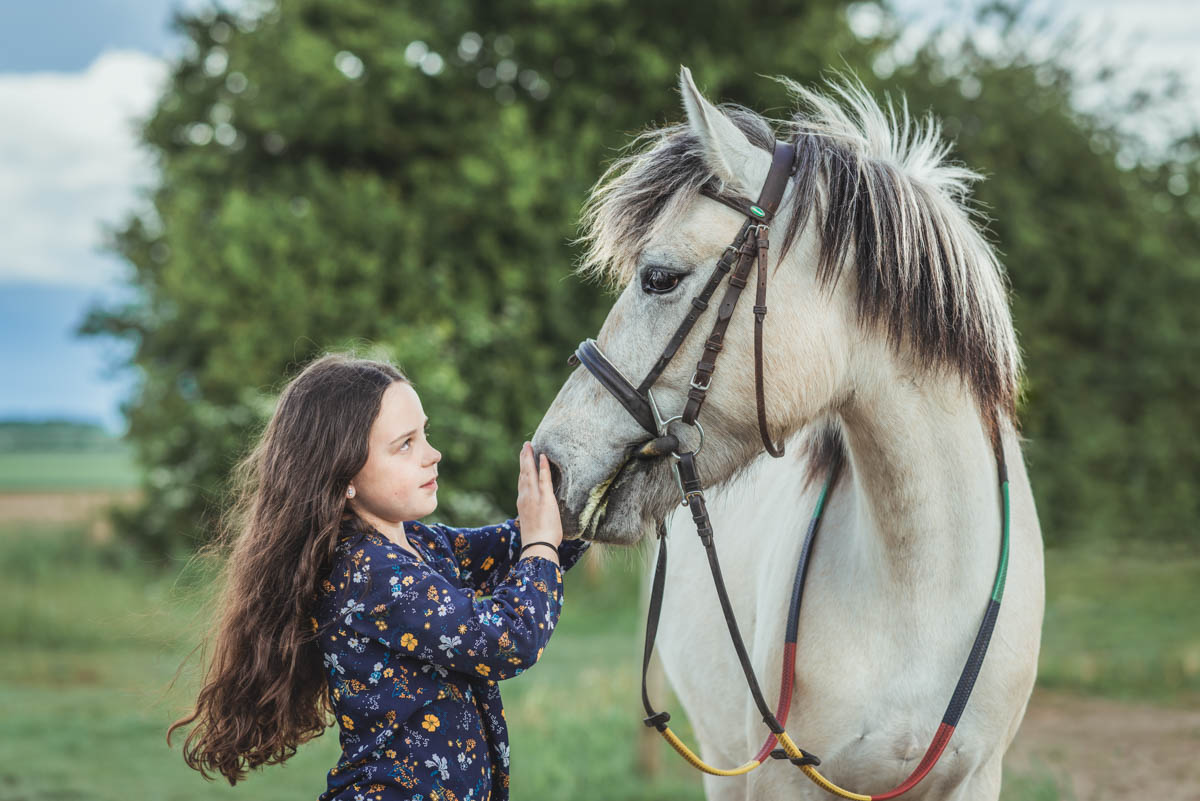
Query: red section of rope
x=785 y=699
x=927 y=762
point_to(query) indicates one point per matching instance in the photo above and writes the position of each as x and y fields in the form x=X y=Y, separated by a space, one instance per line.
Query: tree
x=408 y=175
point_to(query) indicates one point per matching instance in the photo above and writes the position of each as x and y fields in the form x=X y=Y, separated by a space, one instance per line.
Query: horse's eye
x=659 y=281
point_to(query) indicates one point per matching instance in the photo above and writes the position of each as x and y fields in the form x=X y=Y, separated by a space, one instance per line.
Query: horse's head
x=653 y=235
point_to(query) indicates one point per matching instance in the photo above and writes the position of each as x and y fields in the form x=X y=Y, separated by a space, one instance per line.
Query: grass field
x=24 y=471
x=88 y=655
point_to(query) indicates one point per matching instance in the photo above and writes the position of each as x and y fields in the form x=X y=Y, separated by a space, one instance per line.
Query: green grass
x=87 y=654
x=26 y=471
x=1122 y=625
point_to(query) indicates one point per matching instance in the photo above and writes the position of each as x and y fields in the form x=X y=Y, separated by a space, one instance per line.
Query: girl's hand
x=537 y=508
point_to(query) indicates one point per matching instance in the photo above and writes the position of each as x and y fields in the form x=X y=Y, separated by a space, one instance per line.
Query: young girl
x=338 y=600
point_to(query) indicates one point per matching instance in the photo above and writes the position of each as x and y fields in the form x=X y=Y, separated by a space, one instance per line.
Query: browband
x=783 y=159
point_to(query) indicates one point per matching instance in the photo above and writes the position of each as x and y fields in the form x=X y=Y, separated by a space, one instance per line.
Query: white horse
x=889 y=345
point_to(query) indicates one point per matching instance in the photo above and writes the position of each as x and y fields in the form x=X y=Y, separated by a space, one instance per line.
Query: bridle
x=749 y=247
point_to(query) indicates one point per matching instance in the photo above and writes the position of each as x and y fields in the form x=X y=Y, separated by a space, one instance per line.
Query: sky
x=76 y=76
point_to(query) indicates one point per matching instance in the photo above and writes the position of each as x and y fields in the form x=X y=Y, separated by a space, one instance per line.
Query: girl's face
x=399 y=480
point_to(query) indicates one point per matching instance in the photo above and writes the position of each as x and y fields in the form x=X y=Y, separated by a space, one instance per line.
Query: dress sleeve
x=485 y=555
x=418 y=613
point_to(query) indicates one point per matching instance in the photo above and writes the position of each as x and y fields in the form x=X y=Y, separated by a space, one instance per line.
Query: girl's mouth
x=430 y=484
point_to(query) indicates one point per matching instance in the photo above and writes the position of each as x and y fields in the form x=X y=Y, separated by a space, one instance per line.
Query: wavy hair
x=264 y=692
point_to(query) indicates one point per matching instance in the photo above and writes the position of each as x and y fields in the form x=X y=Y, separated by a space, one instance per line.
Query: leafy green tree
x=406 y=179
x=406 y=175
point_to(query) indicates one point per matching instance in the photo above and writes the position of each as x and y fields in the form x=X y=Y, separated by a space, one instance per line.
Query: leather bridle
x=738 y=257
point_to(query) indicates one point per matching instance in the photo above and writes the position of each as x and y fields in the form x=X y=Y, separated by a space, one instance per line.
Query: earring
x=350 y=491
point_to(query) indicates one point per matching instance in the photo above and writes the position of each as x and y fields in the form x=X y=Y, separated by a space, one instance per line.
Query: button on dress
x=413 y=650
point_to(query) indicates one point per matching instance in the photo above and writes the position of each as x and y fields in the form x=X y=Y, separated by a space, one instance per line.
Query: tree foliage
x=405 y=178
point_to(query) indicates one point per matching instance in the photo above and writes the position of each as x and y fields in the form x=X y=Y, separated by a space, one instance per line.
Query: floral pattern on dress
x=413 y=652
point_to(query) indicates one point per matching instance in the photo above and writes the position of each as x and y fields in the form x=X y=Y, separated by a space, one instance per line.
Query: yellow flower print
x=430 y=723
x=462 y=628
x=314 y=623
x=390 y=754
x=347 y=723
x=387 y=673
x=432 y=594
x=460 y=542
x=487 y=563
x=381 y=625
x=408 y=641
x=471 y=744
x=406 y=580
x=504 y=640
x=482 y=670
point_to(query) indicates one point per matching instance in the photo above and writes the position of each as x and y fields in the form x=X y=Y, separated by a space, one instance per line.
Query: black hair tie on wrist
x=530 y=545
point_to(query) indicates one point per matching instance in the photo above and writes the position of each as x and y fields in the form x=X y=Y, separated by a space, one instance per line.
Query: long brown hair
x=264 y=693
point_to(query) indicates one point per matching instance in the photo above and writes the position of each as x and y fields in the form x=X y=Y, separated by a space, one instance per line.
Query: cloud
x=69 y=162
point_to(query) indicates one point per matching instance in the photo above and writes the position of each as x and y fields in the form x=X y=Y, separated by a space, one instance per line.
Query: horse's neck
x=920 y=498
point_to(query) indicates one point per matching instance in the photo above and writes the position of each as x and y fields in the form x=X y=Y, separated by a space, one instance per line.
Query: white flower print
x=441 y=671
x=442 y=610
x=504 y=754
x=440 y=765
x=331 y=661
x=448 y=644
x=349 y=609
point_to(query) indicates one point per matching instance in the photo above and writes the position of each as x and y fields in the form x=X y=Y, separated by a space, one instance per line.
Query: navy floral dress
x=413 y=650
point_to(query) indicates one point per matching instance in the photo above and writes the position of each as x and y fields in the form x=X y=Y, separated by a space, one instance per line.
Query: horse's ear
x=727 y=151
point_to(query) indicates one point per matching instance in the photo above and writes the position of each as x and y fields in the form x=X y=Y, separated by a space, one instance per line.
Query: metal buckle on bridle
x=663 y=426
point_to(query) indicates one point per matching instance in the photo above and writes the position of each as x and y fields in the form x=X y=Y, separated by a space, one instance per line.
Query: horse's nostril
x=555 y=475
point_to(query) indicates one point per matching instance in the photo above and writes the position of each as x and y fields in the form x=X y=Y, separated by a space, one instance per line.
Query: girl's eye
x=407 y=441
x=658 y=281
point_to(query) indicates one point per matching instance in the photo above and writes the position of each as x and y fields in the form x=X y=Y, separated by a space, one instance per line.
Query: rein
x=751 y=247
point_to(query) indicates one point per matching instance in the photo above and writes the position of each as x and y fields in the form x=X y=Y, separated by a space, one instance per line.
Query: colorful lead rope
x=807 y=762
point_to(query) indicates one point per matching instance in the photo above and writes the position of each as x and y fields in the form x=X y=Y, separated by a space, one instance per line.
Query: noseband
x=748 y=247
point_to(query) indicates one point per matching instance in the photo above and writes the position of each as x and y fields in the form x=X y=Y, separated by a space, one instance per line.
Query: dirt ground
x=1101 y=750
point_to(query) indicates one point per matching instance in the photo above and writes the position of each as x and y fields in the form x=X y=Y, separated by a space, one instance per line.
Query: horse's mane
x=883 y=199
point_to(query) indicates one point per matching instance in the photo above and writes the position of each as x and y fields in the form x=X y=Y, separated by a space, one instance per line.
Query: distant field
x=28 y=471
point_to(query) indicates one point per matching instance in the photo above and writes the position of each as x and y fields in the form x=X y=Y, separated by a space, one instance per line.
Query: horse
x=890 y=360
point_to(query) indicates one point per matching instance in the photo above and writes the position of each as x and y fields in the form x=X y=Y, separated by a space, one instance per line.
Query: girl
x=338 y=601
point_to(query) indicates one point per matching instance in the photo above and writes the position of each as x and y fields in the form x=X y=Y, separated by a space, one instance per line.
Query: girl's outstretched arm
x=486 y=554
x=418 y=613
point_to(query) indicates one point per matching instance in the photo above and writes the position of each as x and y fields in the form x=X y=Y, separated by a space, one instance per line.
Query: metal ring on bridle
x=699 y=428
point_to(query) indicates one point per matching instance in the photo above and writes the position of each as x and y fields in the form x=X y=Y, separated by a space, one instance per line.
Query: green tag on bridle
x=757 y=212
